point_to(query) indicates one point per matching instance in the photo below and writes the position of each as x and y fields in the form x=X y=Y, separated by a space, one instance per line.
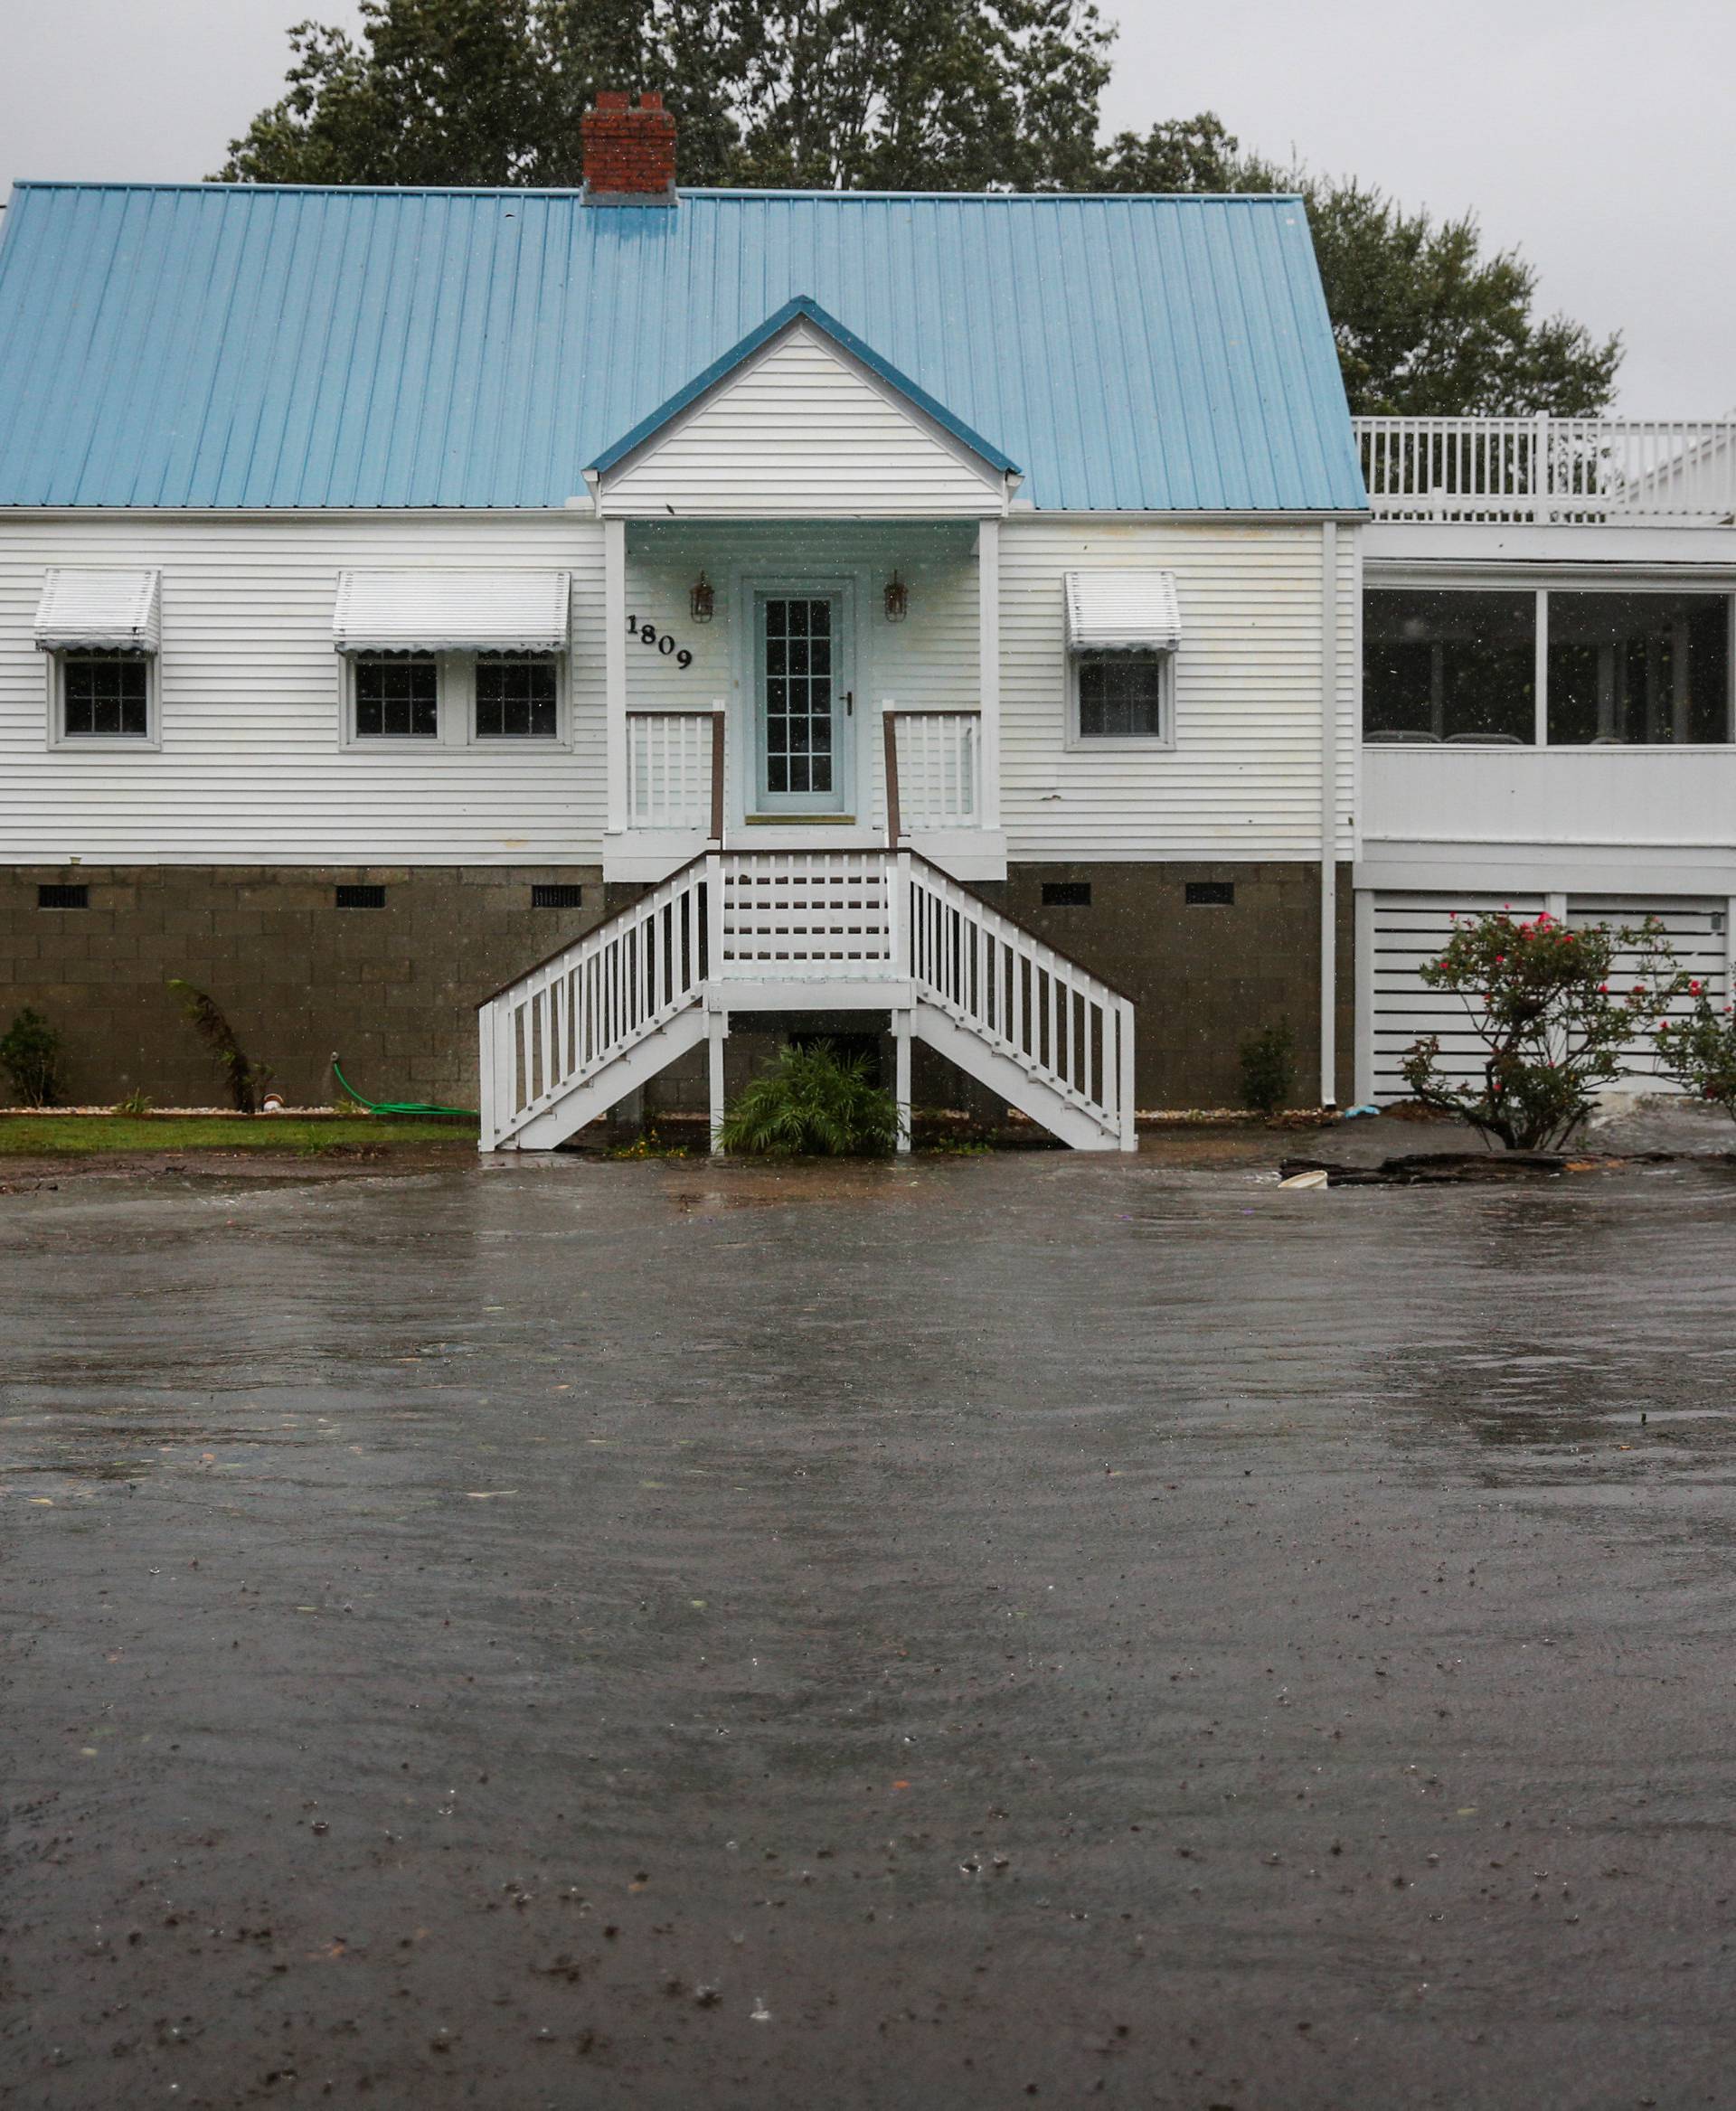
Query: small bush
x=1699 y=1052
x=135 y=1103
x=29 y=1048
x=1268 y=1069
x=1543 y=1002
x=813 y=1103
x=246 y=1079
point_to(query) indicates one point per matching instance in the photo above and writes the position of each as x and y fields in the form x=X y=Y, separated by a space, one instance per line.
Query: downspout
x=1329 y=813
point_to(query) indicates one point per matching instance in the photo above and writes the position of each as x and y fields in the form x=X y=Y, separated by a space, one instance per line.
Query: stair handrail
x=562 y=1042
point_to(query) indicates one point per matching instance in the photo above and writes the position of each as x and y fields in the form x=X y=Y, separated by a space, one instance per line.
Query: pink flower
x=1694 y=989
x=1639 y=989
x=1603 y=989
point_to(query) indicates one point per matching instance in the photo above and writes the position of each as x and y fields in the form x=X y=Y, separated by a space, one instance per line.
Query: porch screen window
x=1450 y=667
x=397 y=698
x=516 y=700
x=1638 y=668
x=106 y=696
x=799 y=695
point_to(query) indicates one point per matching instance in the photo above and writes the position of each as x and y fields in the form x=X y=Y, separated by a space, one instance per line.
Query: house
x=1547 y=701
x=666 y=618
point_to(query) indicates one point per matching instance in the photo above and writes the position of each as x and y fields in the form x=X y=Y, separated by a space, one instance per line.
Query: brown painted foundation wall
x=394 y=990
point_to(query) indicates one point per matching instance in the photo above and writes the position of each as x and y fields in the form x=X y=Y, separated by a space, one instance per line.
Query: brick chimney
x=629 y=153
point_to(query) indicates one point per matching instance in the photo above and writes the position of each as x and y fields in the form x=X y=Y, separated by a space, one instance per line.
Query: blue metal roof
x=250 y=346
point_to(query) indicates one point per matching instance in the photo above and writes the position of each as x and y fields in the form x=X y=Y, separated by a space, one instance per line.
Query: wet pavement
x=950 y=1634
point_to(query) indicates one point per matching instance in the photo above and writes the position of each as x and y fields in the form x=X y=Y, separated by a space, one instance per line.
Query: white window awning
x=1123 y=612
x=99 y=611
x=452 y=612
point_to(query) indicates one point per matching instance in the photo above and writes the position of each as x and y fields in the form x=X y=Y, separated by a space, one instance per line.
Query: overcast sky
x=1594 y=134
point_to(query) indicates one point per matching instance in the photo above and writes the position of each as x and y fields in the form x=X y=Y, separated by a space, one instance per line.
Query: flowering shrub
x=1540 y=998
x=1699 y=1052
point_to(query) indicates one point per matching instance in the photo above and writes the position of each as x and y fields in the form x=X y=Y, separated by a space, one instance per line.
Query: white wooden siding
x=250 y=770
x=802 y=429
x=1243 y=778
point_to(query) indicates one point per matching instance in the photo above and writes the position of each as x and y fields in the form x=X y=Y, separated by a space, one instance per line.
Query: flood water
x=946 y=1634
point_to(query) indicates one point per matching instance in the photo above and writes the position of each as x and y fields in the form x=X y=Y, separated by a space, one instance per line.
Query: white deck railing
x=1549 y=469
x=675 y=770
x=1056 y=1021
x=933 y=770
x=584 y=1007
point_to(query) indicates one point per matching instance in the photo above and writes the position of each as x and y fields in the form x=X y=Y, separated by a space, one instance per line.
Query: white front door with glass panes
x=803 y=706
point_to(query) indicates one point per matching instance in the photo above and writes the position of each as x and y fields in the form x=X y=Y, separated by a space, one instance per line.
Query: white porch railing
x=933 y=770
x=1549 y=469
x=588 y=1005
x=675 y=770
x=806 y=914
x=1051 y=1018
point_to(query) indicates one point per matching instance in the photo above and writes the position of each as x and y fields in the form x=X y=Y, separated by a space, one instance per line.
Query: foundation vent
x=558 y=894
x=1211 y=894
x=361 y=897
x=55 y=896
x=1066 y=894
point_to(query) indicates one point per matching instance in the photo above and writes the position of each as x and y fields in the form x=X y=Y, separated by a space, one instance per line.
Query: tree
x=1541 y=999
x=833 y=94
x=1427 y=325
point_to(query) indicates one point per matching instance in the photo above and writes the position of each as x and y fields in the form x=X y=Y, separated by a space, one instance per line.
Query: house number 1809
x=659 y=641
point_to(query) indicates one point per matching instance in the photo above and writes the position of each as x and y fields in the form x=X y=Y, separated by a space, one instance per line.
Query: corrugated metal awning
x=452 y=612
x=99 y=611
x=1123 y=612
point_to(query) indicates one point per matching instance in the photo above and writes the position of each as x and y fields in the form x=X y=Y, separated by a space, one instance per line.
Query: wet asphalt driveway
x=951 y=1636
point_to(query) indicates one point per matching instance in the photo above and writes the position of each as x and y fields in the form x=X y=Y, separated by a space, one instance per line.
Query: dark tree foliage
x=845 y=94
x=951 y=95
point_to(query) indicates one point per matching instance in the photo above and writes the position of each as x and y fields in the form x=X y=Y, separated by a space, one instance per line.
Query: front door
x=803 y=705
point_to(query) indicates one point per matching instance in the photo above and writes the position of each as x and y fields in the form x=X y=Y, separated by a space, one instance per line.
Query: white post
x=1329 y=813
x=485 y=1078
x=615 y=671
x=902 y=1079
x=988 y=679
x=1364 y=1052
x=717 y=1031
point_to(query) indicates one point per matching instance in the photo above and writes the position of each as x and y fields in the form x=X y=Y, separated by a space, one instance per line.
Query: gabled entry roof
x=794 y=311
x=239 y=345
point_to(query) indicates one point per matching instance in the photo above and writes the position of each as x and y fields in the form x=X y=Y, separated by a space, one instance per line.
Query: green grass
x=80 y=1135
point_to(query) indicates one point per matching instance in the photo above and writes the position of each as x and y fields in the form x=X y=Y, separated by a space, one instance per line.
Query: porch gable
x=802 y=421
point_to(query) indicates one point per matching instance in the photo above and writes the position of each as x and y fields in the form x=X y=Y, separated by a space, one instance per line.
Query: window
x=105 y=696
x=1628 y=668
x=359 y=896
x=516 y=699
x=1450 y=666
x=397 y=698
x=1122 y=696
x=52 y=894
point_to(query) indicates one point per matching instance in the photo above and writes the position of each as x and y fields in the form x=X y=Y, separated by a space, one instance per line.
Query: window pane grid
x=106 y=696
x=1121 y=697
x=397 y=699
x=515 y=699
x=799 y=695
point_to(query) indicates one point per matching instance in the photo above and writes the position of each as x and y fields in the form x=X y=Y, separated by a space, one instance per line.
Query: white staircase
x=869 y=931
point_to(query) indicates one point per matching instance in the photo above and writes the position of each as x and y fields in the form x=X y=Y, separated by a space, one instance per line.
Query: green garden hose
x=398 y=1106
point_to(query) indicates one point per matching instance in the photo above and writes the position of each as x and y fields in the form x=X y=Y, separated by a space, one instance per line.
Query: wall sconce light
x=701 y=600
x=898 y=600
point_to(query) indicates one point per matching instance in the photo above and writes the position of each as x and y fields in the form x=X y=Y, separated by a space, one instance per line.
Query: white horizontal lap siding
x=930 y=660
x=1243 y=778
x=801 y=430
x=1412 y=928
x=250 y=770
